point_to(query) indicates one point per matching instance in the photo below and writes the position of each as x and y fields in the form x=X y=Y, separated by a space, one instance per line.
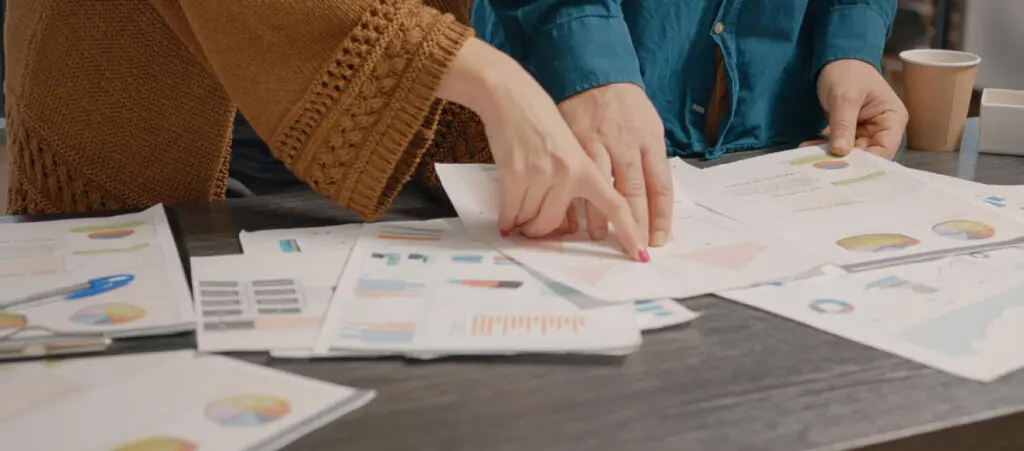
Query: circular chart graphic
x=12 y=320
x=110 y=234
x=830 y=306
x=877 y=242
x=108 y=314
x=247 y=410
x=158 y=444
x=831 y=164
x=965 y=230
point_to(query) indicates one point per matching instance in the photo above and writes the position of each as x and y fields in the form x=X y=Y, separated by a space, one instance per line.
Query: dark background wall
x=3 y=58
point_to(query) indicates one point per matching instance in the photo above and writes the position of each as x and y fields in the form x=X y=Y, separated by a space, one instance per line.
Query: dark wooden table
x=736 y=379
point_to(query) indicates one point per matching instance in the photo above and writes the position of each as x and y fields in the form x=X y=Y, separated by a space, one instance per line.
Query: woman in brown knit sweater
x=126 y=103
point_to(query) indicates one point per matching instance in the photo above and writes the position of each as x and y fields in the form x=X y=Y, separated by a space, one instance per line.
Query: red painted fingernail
x=644 y=256
x=504 y=233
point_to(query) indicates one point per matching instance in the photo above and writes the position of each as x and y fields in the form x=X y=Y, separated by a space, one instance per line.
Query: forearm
x=850 y=29
x=479 y=77
x=343 y=91
x=570 y=46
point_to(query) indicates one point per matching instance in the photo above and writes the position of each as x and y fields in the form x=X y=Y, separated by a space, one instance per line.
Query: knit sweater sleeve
x=341 y=90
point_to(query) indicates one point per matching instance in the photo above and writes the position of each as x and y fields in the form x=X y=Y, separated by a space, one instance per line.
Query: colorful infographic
x=12 y=320
x=108 y=314
x=160 y=443
x=877 y=242
x=964 y=230
x=830 y=306
x=831 y=164
x=109 y=232
x=247 y=410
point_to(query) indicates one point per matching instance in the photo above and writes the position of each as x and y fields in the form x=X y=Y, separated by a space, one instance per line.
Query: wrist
x=481 y=78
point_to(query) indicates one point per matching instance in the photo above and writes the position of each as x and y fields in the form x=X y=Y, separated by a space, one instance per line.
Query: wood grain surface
x=735 y=379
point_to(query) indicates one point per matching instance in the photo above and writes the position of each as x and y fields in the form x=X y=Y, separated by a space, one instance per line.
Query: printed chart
x=426 y=289
x=170 y=401
x=39 y=257
x=247 y=410
x=652 y=314
x=331 y=238
x=159 y=443
x=709 y=252
x=858 y=211
x=961 y=314
x=253 y=303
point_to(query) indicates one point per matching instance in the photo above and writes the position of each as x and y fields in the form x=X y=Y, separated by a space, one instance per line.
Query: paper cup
x=937 y=91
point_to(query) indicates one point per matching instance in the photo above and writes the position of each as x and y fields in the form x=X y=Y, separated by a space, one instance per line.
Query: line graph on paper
x=511 y=325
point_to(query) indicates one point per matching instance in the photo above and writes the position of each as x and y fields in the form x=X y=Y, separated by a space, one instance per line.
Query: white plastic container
x=1002 y=122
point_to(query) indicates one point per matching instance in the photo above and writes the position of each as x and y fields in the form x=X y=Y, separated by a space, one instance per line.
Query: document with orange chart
x=857 y=211
x=175 y=401
x=267 y=245
x=708 y=253
x=963 y=315
x=119 y=275
x=424 y=289
x=260 y=302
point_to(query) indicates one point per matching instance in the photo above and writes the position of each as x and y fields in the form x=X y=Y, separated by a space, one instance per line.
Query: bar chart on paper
x=389 y=288
x=502 y=325
x=379 y=333
x=408 y=233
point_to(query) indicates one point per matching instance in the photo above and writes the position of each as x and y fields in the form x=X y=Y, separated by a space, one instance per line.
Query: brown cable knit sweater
x=119 y=104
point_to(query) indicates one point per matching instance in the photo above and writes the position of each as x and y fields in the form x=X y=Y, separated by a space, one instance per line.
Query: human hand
x=863 y=110
x=621 y=131
x=541 y=165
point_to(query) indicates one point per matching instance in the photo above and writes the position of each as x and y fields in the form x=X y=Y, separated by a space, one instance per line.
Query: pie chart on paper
x=108 y=314
x=160 y=443
x=12 y=320
x=831 y=164
x=965 y=230
x=247 y=410
x=877 y=242
x=111 y=234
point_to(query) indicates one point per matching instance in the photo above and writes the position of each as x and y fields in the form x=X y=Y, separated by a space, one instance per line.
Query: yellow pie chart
x=877 y=242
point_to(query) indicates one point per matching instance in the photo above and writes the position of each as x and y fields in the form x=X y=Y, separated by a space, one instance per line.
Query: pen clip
x=12 y=348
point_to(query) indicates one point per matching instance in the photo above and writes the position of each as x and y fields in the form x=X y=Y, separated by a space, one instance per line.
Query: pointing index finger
x=616 y=209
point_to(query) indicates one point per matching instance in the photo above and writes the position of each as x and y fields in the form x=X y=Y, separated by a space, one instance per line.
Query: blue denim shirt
x=772 y=50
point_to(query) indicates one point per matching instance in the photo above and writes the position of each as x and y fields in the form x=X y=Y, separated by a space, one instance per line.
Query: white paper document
x=338 y=238
x=137 y=250
x=961 y=315
x=258 y=302
x=709 y=252
x=180 y=401
x=424 y=289
x=651 y=314
x=858 y=211
x=663 y=313
x=1009 y=199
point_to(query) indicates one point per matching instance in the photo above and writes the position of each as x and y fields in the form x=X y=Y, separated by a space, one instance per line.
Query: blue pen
x=83 y=290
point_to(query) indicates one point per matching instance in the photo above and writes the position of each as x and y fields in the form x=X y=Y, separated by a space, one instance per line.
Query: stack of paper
x=163 y=401
x=136 y=249
x=650 y=314
x=420 y=289
x=962 y=314
x=708 y=252
x=426 y=289
x=857 y=246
